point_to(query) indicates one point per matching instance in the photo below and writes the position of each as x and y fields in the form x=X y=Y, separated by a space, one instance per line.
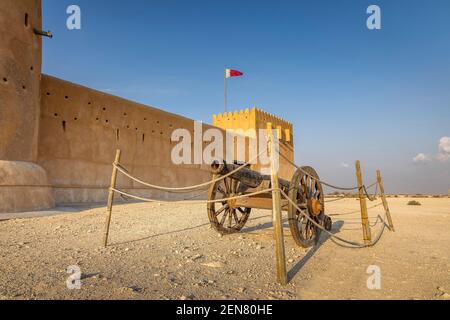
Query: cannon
x=304 y=189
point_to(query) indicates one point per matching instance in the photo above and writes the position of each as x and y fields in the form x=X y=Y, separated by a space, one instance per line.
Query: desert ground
x=169 y=251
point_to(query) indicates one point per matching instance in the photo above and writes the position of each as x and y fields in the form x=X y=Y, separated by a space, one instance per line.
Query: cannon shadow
x=263 y=226
x=337 y=226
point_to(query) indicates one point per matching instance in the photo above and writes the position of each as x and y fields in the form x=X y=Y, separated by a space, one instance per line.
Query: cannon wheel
x=308 y=195
x=225 y=217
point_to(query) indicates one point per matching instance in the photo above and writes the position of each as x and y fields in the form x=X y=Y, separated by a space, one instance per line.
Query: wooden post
x=277 y=217
x=385 y=204
x=111 y=198
x=362 y=200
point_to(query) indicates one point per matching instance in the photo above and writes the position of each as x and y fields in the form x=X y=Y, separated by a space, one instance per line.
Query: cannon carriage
x=231 y=215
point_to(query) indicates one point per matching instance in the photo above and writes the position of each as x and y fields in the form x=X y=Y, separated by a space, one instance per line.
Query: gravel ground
x=160 y=251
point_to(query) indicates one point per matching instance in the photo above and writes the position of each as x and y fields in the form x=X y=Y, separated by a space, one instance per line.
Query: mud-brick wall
x=80 y=130
x=20 y=71
x=21 y=179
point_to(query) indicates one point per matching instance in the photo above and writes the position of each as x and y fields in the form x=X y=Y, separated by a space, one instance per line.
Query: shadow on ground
x=323 y=238
x=258 y=227
x=59 y=210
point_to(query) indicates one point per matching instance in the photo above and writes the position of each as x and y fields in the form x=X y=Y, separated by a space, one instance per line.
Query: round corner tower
x=23 y=184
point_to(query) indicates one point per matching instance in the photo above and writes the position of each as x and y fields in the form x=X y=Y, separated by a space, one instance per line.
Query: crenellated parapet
x=255 y=119
x=243 y=119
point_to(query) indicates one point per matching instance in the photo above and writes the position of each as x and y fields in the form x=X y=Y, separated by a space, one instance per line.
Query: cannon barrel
x=251 y=178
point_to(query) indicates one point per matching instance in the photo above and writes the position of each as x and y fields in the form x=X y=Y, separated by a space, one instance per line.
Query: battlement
x=254 y=119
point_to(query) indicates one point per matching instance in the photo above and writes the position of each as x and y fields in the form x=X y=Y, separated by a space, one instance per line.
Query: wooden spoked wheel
x=225 y=216
x=307 y=193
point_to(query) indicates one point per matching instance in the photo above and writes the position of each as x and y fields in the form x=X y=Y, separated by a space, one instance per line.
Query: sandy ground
x=170 y=252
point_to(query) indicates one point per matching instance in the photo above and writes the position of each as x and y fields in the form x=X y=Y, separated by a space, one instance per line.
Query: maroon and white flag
x=229 y=73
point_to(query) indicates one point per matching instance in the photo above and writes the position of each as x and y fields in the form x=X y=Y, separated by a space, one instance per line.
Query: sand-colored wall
x=21 y=179
x=20 y=71
x=251 y=121
x=81 y=129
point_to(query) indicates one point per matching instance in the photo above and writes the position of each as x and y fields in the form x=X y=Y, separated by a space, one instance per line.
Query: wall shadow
x=176 y=231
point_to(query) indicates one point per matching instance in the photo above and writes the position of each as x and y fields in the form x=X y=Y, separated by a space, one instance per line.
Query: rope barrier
x=374 y=242
x=125 y=198
x=335 y=200
x=190 y=201
x=372 y=223
x=333 y=236
x=352 y=243
x=372 y=185
x=314 y=178
x=336 y=239
x=122 y=170
x=353 y=212
x=328 y=184
x=374 y=197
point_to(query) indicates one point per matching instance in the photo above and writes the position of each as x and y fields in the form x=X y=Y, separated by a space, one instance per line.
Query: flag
x=229 y=73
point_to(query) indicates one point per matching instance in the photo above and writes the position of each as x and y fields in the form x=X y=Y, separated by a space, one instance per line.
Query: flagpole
x=226 y=89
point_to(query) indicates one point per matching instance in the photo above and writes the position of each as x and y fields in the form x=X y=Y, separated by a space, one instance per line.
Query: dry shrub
x=414 y=203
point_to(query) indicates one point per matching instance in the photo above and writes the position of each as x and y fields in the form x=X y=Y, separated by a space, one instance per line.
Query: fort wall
x=82 y=128
x=58 y=139
x=20 y=72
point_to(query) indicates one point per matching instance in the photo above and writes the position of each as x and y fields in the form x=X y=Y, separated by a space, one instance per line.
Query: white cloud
x=345 y=165
x=444 y=149
x=421 y=158
x=443 y=155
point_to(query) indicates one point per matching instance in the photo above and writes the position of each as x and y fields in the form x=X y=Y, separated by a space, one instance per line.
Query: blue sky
x=381 y=96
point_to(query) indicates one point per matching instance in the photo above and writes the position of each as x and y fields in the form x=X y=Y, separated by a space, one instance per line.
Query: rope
x=353 y=212
x=374 y=197
x=333 y=236
x=190 y=201
x=372 y=185
x=125 y=198
x=314 y=178
x=122 y=170
x=67 y=187
x=325 y=183
x=372 y=223
x=335 y=200
x=345 y=197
